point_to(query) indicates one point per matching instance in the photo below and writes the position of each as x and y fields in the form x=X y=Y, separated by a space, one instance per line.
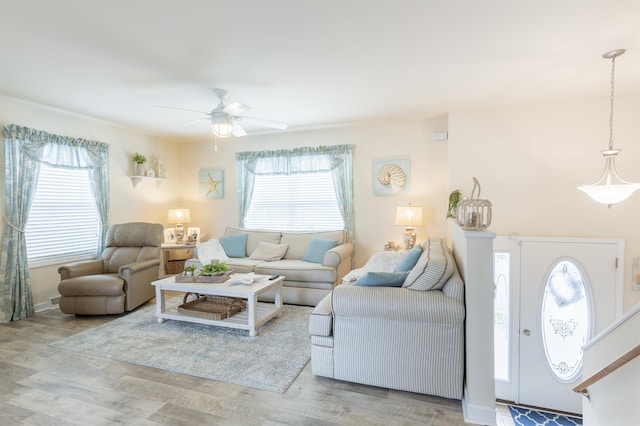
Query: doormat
x=523 y=416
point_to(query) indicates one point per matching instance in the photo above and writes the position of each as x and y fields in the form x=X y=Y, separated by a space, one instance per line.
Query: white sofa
x=306 y=283
x=409 y=338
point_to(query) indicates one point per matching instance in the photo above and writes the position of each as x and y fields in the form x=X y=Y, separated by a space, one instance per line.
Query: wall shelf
x=135 y=180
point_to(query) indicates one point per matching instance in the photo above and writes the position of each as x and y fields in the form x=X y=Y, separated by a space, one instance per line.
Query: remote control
x=273 y=277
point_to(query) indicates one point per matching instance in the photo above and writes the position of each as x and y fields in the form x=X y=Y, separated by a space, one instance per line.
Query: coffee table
x=256 y=314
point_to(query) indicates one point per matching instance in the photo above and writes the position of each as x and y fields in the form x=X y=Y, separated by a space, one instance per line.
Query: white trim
x=43 y=306
x=477 y=414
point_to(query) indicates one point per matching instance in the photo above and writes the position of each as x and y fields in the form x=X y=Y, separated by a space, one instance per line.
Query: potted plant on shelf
x=138 y=163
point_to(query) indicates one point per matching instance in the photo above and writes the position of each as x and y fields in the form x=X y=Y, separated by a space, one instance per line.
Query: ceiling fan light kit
x=225 y=119
x=221 y=124
x=610 y=188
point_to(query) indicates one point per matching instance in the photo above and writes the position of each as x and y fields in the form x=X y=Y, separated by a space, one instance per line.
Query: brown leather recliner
x=119 y=281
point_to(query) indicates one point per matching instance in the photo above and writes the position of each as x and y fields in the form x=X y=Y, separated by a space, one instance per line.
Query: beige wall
x=374 y=215
x=530 y=159
x=146 y=202
x=405 y=139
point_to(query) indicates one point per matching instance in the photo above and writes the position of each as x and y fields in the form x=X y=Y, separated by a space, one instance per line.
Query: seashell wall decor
x=391 y=177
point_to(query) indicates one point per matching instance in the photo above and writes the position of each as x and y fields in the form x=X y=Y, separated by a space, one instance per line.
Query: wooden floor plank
x=46 y=386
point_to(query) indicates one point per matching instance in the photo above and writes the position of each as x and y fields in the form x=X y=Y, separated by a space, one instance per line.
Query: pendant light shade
x=610 y=188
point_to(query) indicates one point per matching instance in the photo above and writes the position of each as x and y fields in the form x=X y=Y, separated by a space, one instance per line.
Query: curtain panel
x=336 y=159
x=25 y=150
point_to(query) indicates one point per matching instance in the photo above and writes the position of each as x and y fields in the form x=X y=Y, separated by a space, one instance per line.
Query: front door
x=567 y=293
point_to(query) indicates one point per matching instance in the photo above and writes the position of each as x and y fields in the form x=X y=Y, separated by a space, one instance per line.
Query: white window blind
x=63 y=222
x=294 y=203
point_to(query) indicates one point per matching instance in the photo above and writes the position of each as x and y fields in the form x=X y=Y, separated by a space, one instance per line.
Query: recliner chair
x=121 y=280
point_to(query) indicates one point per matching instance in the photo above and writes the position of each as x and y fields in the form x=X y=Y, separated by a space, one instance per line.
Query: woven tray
x=213 y=307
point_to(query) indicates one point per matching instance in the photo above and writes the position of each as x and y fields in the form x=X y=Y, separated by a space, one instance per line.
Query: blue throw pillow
x=382 y=279
x=410 y=260
x=317 y=248
x=235 y=245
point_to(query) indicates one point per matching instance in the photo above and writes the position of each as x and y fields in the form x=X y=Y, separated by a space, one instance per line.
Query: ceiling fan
x=226 y=119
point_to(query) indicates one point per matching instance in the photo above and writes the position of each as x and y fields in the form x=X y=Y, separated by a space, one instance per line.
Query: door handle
x=526 y=332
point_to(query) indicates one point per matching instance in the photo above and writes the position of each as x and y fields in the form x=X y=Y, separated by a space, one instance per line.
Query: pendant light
x=610 y=188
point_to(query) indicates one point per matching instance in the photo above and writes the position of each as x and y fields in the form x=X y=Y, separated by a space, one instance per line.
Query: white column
x=473 y=251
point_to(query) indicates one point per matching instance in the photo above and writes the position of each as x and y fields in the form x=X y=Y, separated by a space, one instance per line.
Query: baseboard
x=53 y=303
x=477 y=414
x=44 y=306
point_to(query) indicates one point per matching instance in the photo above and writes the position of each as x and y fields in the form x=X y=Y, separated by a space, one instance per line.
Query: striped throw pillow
x=433 y=269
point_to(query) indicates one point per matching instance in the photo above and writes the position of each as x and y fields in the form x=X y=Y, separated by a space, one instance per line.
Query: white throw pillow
x=209 y=251
x=433 y=269
x=269 y=252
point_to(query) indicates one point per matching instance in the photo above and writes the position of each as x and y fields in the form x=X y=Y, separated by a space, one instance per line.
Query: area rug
x=270 y=361
x=523 y=416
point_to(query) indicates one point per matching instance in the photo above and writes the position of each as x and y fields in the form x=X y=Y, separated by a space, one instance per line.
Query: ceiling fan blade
x=185 y=123
x=236 y=108
x=262 y=122
x=238 y=131
x=182 y=109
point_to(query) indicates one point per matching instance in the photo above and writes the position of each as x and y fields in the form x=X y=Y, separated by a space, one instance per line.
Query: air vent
x=441 y=137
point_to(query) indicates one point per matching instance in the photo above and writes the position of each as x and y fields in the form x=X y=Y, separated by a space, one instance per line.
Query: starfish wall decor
x=211 y=183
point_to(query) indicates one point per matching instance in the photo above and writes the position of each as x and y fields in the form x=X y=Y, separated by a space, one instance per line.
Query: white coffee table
x=256 y=314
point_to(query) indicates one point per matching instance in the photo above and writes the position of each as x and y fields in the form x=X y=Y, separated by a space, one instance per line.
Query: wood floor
x=43 y=386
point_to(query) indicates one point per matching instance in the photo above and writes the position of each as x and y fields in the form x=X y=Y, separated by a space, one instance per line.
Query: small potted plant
x=217 y=269
x=138 y=163
x=189 y=270
x=454 y=199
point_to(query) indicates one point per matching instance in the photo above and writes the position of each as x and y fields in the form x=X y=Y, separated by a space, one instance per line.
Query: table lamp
x=409 y=216
x=179 y=217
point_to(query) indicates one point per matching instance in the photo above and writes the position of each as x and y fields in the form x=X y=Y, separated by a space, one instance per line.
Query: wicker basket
x=174 y=267
x=213 y=307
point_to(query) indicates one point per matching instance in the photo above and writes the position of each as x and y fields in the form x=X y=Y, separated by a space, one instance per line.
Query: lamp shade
x=179 y=215
x=409 y=216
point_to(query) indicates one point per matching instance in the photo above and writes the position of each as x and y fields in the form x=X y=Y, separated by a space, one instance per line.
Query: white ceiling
x=309 y=63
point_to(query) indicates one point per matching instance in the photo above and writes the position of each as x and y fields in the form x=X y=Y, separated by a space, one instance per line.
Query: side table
x=166 y=249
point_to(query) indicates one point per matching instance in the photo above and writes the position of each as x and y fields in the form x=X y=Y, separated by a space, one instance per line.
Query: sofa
x=121 y=279
x=405 y=334
x=306 y=281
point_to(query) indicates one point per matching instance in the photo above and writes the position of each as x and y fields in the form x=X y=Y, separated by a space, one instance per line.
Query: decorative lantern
x=474 y=214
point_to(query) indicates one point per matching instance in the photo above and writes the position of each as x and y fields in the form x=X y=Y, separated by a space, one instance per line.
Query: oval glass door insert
x=565 y=318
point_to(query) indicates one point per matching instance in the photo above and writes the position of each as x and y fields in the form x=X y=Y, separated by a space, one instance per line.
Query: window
x=63 y=221
x=302 y=189
x=294 y=203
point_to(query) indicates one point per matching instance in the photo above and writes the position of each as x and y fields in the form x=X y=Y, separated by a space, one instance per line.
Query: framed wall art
x=391 y=177
x=211 y=183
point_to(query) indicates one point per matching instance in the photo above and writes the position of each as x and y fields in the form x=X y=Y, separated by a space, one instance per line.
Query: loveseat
x=310 y=271
x=408 y=337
